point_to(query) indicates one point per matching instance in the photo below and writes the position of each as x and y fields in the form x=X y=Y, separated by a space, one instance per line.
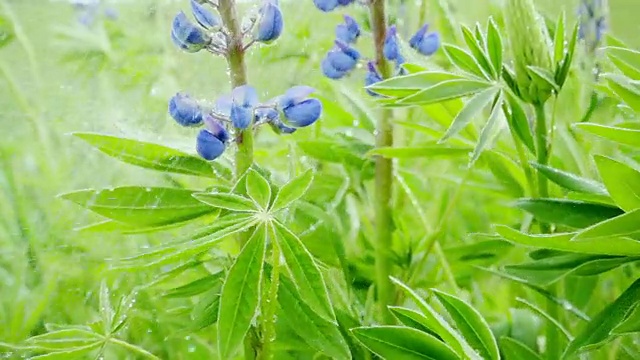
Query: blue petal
x=245 y=95
x=304 y=113
x=295 y=95
x=429 y=44
x=349 y=31
x=345 y=2
x=266 y=114
x=223 y=105
x=271 y=23
x=330 y=71
x=185 y=32
x=185 y=110
x=417 y=37
x=216 y=128
x=241 y=116
x=204 y=17
x=391 y=48
x=208 y=146
x=326 y=5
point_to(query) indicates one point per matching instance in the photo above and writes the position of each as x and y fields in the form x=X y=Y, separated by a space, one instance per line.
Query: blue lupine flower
x=372 y=77
x=298 y=108
x=244 y=99
x=326 y=5
x=345 y=2
x=204 y=17
x=349 y=31
x=216 y=128
x=340 y=60
x=391 y=48
x=186 y=35
x=425 y=43
x=208 y=145
x=185 y=110
x=271 y=22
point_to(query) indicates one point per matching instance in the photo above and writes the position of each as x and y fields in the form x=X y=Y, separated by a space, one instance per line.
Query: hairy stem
x=383 y=174
x=271 y=303
x=238 y=74
x=244 y=138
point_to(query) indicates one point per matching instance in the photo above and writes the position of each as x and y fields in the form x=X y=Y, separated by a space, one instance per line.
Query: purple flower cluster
x=241 y=109
x=343 y=58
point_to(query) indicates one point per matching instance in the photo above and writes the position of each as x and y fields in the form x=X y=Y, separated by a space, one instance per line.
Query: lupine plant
x=464 y=193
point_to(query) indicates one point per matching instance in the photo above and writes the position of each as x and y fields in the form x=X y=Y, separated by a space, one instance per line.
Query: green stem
x=238 y=73
x=383 y=175
x=270 y=305
x=542 y=149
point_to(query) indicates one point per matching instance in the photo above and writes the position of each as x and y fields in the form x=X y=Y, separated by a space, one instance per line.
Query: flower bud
x=593 y=22
x=298 y=108
x=271 y=22
x=204 y=17
x=208 y=145
x=349 y=31
x=340 y=61
x=326 y=5
x=424 y=42
x=186 y=35
x=391 y=48
x=530 y=45
x=185 y=110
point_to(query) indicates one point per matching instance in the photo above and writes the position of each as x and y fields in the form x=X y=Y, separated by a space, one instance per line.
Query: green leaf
x=63 y=339
x=6 y=31
x=471 y=324
x=70 y=353
x=631 y=323
x=478 y=52
x=196 y=287
x=146 y=206
x=319 y=333
x=547 y=317
x=463 y=60
x=507 y=172
x=599 y=330
x=559 y=39
x=395 y=342
x=227 y=201
x=154 y=156
x=332 y=151
x=205 y=311
x=625 y=59
x=429 y=151
x=305 y=273
x=563 y=242
x=292 y=191
x=571 y=213
x=627 y=92
x=240 y=294
x=494 y=44
x=446 y=90
x=258 y=189
x=472 y=108
x=406 y=85
x=412 y=318
x=488 y=131
x=620 y=135
x=439 y=325
x=622 y=181
x=515 y=350
x=518 y=122
x=625 y=225
x=571 y=181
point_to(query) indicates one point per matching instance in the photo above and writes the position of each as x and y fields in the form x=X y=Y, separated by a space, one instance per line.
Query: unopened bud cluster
x=241 y=109
x=343 y=58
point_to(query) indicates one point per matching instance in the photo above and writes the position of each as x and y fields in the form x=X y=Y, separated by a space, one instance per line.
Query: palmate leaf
x=488 y=131
x=463 y=60
x=477 y=48
x=473 y=108
x=407 y=85
x=155 y=156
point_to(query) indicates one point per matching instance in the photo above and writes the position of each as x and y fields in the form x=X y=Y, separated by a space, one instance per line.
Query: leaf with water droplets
x=142 y=206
